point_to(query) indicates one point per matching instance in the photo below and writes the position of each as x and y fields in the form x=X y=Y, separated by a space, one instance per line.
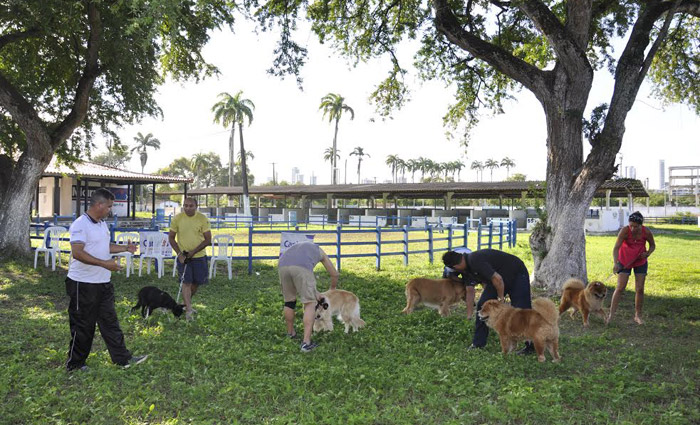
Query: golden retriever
x=344 y=304
x=539 y=325
x=437 y=294
x=586 y=299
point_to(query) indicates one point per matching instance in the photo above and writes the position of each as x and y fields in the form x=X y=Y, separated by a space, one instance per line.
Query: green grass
x=233 y=365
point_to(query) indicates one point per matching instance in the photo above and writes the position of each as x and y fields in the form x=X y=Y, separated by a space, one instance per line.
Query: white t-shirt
x=95 y=236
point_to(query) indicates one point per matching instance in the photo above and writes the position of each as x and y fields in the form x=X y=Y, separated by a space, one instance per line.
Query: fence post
x=338 y=231
x=379 y=247
x=250 y=250
x=478 y=237
x=515 y=232
x=430 y=244
x=55 y=219
x=490 y=234
x=405 y=245
x=466 y=233
x=449 y=237
x=112 y=233
x=500 y=236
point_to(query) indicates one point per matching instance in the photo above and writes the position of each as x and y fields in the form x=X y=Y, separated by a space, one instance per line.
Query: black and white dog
x=151 y=298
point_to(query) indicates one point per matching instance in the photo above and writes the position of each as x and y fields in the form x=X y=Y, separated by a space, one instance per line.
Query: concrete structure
x=684 y=181
x=63 y=190
x=662 y=174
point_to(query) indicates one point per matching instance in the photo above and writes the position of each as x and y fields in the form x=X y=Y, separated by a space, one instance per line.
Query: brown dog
x=586 y=299
x=437 y=294
x=539 y=325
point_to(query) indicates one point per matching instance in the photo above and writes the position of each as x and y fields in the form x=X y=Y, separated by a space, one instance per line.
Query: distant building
x=313 y=179
x=684 y=181
x=300 y=179
x=295 y=175
x=662 y=174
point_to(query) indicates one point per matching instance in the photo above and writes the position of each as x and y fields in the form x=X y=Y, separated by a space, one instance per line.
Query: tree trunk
x=16 y=194
x=231 y=160
x=334 y=171
x=244 y=174
x=558 y=244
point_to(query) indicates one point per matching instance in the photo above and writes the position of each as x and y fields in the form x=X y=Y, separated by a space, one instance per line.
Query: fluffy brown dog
x=437 y=294
x=586 y=299
x=344 y=304
x=539 y=325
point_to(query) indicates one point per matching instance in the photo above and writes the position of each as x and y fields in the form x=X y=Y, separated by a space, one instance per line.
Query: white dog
x=344 y=304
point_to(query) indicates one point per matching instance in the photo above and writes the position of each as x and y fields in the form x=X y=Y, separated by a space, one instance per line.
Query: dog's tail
x=573 y=283
x=547 y=310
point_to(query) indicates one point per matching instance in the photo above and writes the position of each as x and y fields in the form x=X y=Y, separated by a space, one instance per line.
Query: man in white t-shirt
x=90 y=289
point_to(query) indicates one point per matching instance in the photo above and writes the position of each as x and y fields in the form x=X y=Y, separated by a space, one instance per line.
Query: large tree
x=69 y=69
x=487 y=49
x=229 y=111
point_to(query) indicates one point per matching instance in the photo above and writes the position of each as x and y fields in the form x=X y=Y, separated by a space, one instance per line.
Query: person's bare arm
x=81 y=255
x=115 y=248
x=652 y=245
x=616 y=249
x=330 y=269
x=497 y=281
x=471 y=292
x=175 y=246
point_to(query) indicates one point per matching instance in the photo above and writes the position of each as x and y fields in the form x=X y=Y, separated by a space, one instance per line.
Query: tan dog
x=437 y=294
x=586 y=299
x=344 y=304
x=539 y=325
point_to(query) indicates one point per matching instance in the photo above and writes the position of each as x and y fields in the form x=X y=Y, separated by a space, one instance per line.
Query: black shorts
x=197 y=271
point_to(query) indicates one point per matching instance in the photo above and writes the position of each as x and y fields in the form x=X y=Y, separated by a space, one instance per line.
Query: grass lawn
x=234 y=365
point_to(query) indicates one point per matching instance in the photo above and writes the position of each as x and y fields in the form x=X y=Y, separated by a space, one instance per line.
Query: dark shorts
x=197 y=271
x=637 y=270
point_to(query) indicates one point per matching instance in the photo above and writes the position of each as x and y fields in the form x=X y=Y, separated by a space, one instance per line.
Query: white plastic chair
x=222 y=250
x=152 y=248
x=124 y=239
x=51 y=246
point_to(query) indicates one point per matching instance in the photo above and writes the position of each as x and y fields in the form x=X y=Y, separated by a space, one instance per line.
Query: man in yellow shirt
x=190 y=234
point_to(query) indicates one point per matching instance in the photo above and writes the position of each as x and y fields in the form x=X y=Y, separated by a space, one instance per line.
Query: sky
x=289 y=130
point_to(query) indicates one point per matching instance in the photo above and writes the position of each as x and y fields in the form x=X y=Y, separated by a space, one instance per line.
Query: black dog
x=151 y=298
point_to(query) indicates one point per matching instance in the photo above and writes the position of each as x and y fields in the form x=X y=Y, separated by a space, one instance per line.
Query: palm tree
x=457 y=167
x=478 y=166
x=232 y=110
x=333 y=106
x=491 y=164
x=393 y=162
x=360 y=153
x=401 y=166
x=142 y=145
x=413 y=166
x=328 y=156
x=508 y=163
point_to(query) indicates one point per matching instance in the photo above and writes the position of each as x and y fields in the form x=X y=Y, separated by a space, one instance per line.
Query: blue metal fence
x=488 y=236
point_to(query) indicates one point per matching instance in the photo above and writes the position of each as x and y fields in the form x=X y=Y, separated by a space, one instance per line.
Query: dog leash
x=182 y=279
x=625 y=267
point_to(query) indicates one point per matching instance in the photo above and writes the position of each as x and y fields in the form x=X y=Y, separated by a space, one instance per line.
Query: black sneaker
x=134 y=360
x=529 y=349
x=82 y=368
x=474 y=348
x=305 y=348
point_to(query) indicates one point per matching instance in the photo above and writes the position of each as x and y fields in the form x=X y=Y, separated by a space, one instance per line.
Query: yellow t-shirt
x=190 y=231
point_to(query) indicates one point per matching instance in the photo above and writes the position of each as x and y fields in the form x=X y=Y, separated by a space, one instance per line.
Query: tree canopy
x=70 y=69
